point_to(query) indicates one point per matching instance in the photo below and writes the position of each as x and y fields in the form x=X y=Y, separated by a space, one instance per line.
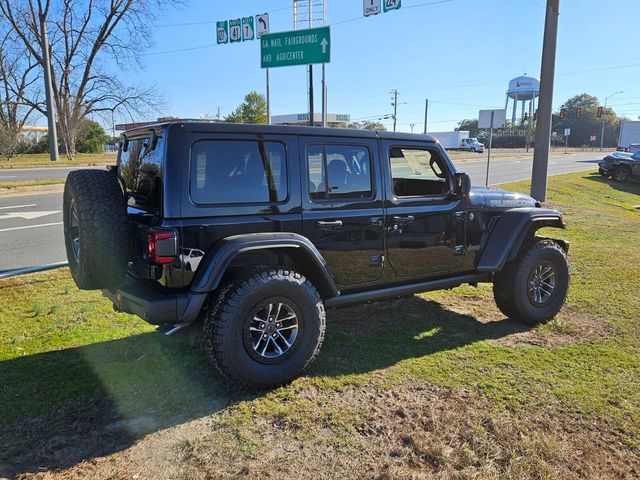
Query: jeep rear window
x=141 y=171
x=231 y=172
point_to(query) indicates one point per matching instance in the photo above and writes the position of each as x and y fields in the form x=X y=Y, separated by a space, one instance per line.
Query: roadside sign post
x=222 y=29
x=567 y=134
x=262 y=29
x=372 y=7
x=235 y=30
x=247 y=29
x=298 y=47
x=491 y=119
x=391 y=5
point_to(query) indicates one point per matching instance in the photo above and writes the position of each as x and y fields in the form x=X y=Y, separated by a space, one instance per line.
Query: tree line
x=92 y=45
x=580 y=114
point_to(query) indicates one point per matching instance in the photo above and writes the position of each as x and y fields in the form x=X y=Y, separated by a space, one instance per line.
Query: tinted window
x=227 y=172
x=339 y=171
x=141 y=171
x=417 y=172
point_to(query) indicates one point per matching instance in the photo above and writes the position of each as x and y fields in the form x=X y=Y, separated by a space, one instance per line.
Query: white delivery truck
x=629 y=139
x=458 y=140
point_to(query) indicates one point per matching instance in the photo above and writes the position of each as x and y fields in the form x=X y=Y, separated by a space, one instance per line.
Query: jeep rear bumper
x=155 y=307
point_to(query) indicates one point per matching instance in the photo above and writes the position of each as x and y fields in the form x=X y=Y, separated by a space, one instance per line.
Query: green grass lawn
x=43 y=160
x=438 y=385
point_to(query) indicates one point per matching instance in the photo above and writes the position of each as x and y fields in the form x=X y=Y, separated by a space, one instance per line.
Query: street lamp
x=412 y=125
x=604 y=111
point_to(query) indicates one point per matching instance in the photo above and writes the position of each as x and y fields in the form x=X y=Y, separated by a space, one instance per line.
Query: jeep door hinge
x=376 y=261
x=462 y=216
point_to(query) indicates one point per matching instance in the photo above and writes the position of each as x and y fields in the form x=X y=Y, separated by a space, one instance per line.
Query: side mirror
x=462 y=184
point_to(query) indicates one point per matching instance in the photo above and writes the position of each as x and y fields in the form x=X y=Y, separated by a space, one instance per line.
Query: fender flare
x=218 y=259
x=510 y=232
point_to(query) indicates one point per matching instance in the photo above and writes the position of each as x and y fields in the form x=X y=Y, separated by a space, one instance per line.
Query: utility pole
x=545 y=106
x=426 y=114
x=52 y=134
x=394 y=104
x=604 y=113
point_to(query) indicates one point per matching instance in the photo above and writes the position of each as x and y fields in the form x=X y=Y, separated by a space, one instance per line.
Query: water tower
x=523 y=89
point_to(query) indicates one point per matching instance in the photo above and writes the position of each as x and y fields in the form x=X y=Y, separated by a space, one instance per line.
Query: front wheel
x=620 y=175
x=532 y=288
x=266 y=329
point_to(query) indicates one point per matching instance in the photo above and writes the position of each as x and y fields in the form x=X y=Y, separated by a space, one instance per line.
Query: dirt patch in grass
x=413 y=431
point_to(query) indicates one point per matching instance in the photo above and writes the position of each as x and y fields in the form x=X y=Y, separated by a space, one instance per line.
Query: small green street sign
x=389 y=5
x=299 y=47
x=235 y=30
x=247 y=29
x=222 y=32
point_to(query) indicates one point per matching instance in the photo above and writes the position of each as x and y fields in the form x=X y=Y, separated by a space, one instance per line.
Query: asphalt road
x=31 y=231
x=50 y=173
x=31 y=226
x=503 y=171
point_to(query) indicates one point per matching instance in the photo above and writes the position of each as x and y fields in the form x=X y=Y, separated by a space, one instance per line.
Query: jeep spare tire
x=95 y=228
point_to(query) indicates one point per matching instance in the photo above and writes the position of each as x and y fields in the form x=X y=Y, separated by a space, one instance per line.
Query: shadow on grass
x=632 y=185
x=59 y=408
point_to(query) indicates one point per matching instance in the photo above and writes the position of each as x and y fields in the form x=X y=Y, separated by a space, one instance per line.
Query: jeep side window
x=231 y=172
x=339 y=171
x=417 y=173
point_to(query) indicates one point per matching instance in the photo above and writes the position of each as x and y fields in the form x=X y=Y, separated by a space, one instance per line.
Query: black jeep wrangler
x=255 y=230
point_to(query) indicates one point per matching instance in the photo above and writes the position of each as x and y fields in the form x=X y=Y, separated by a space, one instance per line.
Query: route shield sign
x=247 y=28
x=262 y=25
x=391 y=5
x=222 y=32
x=299 y=47
x=372 y=7
x=235 y=30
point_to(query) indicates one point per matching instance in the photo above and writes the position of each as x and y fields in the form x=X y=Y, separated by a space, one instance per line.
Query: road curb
x=37 y=268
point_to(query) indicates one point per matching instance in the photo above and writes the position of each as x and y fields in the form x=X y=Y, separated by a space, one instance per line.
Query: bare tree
x=90 y=40
x=19 y=77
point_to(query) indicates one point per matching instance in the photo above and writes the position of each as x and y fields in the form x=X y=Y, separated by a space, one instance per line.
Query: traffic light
x=563 y=113
x=578 y=112
x=600 y=112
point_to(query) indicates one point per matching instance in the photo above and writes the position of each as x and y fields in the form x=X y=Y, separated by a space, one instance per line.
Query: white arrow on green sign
x=299 y=47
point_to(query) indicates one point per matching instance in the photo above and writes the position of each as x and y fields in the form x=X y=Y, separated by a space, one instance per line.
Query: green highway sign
x=299 y=47
x=247 y=29
x=222 y=32
x=391 y=5
x=235 y=30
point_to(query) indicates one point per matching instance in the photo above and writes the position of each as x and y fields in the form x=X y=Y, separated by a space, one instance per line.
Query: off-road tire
x=102 y=225
x=620 y=174
x=511 y=283
x=224 y=324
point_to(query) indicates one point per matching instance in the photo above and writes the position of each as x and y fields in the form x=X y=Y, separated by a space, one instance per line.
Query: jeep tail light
x=162 y=246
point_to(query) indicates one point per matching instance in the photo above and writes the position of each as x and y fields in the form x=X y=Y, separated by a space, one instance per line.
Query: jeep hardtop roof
x=223 y=127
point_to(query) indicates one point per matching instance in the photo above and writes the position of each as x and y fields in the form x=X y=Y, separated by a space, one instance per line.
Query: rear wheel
x=266 y=329
x=532 y=288
x=95 y=228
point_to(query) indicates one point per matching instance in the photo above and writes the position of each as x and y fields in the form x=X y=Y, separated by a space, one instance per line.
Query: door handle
x=334 y=224
x=403 y=220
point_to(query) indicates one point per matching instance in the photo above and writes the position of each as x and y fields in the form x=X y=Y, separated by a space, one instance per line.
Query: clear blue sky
x=460 y=54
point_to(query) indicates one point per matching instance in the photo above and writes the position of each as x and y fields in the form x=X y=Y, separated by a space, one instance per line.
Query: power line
x=188 y=49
